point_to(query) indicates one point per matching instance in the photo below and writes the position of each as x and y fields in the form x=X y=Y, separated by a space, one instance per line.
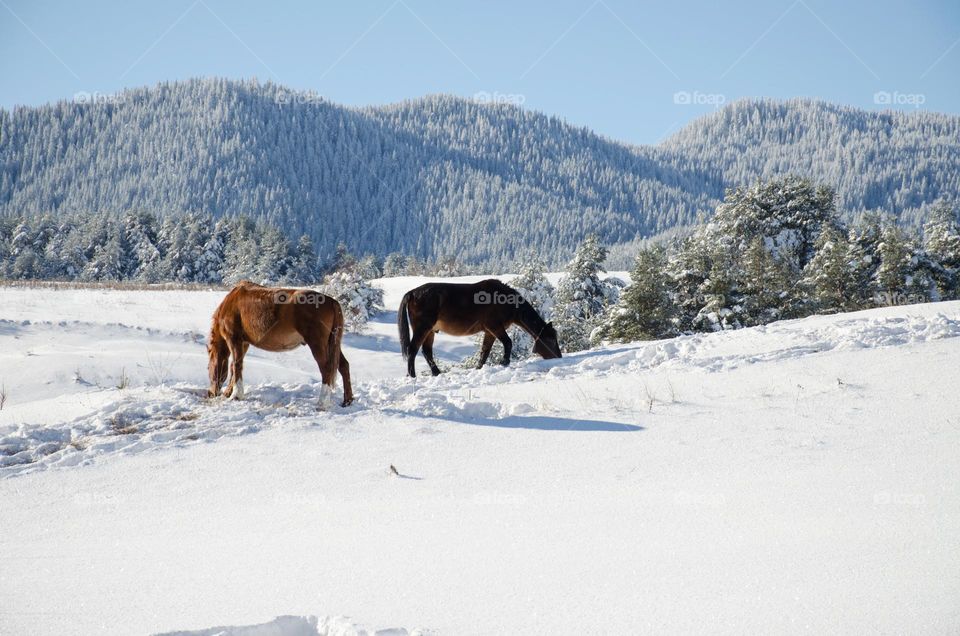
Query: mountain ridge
x=440 y=175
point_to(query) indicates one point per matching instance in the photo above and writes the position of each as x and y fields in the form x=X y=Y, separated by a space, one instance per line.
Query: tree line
x=192 y=248
x=774 y=250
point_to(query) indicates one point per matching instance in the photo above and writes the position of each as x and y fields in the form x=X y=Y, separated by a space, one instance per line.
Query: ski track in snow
x=138 y=419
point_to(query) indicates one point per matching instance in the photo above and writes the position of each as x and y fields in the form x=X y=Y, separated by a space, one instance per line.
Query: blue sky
x=633 y=71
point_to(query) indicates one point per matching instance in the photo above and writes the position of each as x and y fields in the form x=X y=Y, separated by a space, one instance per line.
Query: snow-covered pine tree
x=765 y=285
x=941 y=242
x=109 y=262
x=687 y=268
x=369 y=267
x=722 y=308
x=448 y=266
x=303 y=268
x=141 y=231
x=209 y=265
x=240 y=257
x=359 y=299
x=645 y=310
x=342 y=259
x=178 y=257
x=827 y=278
x=582 y=296
x=273 y=260
x=863 y=258
x=788 y=213
x=394 y=264
x=899 y=278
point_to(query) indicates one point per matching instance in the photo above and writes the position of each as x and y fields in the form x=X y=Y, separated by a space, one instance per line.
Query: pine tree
x=369 y=267
x=764 y=285
x=788 y=213
x=241 y=253
x=645 y=310
x=941 y=241
x=687 y=270
x=273 y=260
x=359 y=299
x=303 y=268
x=722 y=308
x=827 y=278
x=141 y=237
x=209 y=265
x=898 y=278
x=394 y=264
x=863 y=258
x=582 y=297
x=108 y=262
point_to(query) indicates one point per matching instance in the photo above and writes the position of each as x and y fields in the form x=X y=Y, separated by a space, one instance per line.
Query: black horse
x=463 y=309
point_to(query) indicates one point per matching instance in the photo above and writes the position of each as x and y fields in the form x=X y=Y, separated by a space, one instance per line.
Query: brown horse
x=463 y=309
x=275 y=319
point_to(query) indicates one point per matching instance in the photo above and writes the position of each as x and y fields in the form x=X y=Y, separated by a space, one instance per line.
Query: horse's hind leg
x=428 y=353
x=485 y=348
x=237 y=351
x=345 y=376
x=327 y=371
x=419 y=335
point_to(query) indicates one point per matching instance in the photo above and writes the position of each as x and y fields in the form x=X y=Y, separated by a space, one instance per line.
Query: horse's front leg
x=507 y=346
x=485 y=348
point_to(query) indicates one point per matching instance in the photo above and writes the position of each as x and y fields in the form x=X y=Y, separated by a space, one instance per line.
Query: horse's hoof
x=435 y=371
x=346 y=402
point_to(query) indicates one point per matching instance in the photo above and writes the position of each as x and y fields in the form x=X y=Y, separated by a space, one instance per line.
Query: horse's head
x=546 y=344
x=217 y=367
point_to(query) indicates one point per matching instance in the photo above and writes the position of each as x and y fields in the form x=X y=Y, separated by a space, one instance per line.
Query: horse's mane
x=530 y=317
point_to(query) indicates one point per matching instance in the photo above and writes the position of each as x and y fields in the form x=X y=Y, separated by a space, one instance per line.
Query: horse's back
x=265 y=314
x=458 y=309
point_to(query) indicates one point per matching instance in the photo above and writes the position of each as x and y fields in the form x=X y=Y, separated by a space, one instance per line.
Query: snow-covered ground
x=798 y=477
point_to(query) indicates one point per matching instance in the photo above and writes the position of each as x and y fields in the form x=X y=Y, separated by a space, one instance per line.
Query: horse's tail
x=403 y=324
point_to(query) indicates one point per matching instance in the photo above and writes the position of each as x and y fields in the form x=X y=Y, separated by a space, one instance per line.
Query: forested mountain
x=892 y=161
x=443 y=176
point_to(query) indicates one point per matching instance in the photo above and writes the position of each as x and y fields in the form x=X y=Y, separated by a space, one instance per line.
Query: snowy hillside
x=797 y=477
